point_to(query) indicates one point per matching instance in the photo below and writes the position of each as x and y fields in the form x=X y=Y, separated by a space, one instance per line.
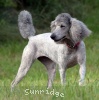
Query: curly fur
x=25 y=24
x=52 y=48
x=78 y=30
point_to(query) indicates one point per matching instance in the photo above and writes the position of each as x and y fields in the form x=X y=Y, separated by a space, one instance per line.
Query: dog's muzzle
x=53 y=37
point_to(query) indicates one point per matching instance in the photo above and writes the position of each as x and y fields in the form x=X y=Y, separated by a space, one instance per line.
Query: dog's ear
x=52 y=26
x=85 y=31
x=78 y=30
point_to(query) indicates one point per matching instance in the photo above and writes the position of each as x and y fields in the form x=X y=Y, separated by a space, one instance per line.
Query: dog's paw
x=81 y=82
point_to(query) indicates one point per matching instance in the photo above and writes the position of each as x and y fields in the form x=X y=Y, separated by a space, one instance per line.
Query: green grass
x=36 y=78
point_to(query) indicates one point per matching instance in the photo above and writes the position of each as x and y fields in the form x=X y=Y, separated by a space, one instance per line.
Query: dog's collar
x=73 y=46
x=70 y=43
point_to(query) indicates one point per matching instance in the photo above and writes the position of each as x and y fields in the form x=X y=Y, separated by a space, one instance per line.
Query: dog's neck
x=70 y=44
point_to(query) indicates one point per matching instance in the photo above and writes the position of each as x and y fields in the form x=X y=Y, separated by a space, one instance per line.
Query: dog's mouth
x=59 y=40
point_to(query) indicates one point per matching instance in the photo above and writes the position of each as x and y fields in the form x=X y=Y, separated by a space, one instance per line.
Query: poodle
x=63 y=46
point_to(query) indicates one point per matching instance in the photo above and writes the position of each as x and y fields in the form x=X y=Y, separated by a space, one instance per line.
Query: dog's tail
x=25 y=24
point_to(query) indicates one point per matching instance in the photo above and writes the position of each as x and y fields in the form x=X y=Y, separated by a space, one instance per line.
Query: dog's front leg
x=62 y=70
x=82 y=72
x=82 y=64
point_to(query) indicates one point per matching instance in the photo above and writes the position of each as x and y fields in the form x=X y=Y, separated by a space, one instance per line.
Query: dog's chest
x=71 y=58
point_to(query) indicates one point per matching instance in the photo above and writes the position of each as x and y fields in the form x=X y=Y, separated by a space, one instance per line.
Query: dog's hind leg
x=27 y=60
x=51 y=69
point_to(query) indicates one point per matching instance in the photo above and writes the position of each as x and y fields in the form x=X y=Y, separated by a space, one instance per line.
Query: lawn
x=33 y=86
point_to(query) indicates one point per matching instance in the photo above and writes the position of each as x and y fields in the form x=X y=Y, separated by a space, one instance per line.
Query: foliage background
x=44 y=11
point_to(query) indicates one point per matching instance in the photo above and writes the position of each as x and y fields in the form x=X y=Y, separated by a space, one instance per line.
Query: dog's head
x=60 y=26
x=64 y=26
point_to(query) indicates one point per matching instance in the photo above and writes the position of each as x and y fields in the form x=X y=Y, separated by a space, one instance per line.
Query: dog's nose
x=53 y=37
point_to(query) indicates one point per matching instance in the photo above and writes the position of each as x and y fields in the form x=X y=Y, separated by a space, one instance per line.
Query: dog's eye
x=62 y=26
